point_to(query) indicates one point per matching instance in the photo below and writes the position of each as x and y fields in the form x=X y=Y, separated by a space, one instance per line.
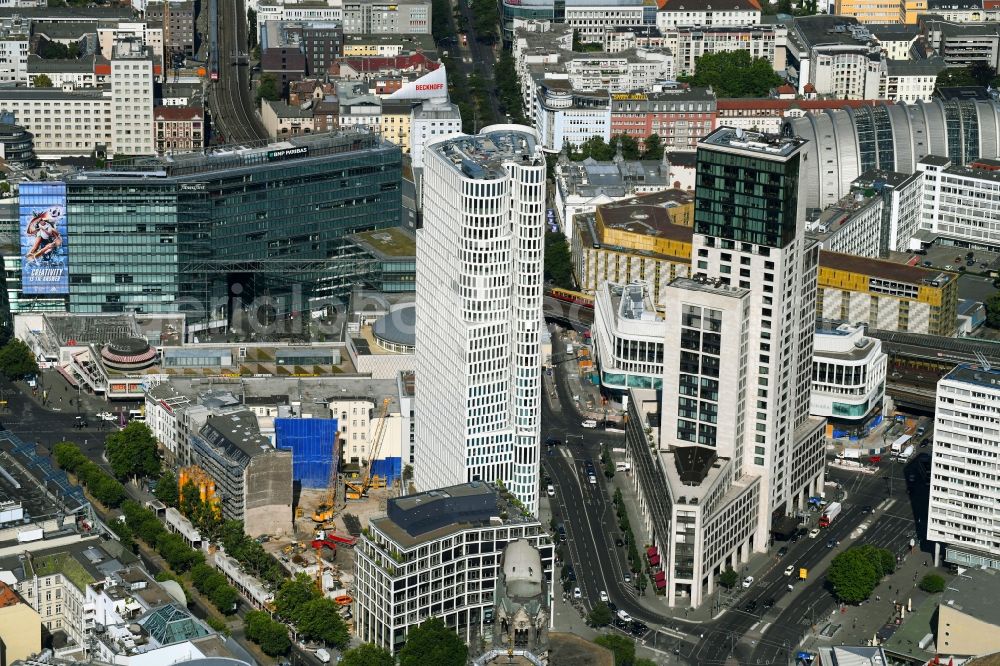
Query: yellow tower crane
x=324 y=512
x=357 y=489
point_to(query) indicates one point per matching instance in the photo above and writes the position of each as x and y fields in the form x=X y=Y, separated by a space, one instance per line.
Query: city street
x=769 y=636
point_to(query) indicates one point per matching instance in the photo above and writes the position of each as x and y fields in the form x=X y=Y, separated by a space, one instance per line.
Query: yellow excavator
x=324 y=512
x=357 y=489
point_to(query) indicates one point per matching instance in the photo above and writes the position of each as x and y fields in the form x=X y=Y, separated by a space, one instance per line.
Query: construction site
x=329 y=519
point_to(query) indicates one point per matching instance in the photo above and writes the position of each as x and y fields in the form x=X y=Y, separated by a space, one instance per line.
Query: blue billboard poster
x=44 y=252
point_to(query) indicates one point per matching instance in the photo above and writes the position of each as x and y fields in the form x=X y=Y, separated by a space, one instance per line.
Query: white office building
x=853 y=225
x=961 y=204
x=848 y=374
x=696 y=495
x=430 y=121
x=963 y=514
x=591 y=18
x=479 y=311
x=707 y=13
x=737 y=452
x=628 y=336
x=437 y=554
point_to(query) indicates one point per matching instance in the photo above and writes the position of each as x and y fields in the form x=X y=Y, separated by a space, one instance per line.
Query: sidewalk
x=859 y=624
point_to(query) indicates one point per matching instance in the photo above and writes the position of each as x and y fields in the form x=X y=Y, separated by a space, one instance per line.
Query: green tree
x=932 y=583
x=558 y=260
x=269 y=88
x=68 y=456
x=628 y=146
x=854 y=573
x=433 y=643
x=652 y=148
x=599 y=615
x=293 y=595
x=955 y=76
x=132 y=452
x=177 y=553
x=319 y=620
x=982 y=73
x=57 y=50
x=595 y=147
x=728 y=578
x=189 y=498
x=252 y=27
x=43 y=81
x=367 y=655
x=734 y=74
x=623 y=648
x=993 y=310
x=166 y=488
x=17 y=360
x=271 y=636
x=225 y=598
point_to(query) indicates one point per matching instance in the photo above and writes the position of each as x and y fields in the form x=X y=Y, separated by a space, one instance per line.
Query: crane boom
x=359 y=489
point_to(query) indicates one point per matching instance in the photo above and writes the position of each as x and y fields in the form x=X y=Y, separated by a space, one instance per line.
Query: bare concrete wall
x=268 y=489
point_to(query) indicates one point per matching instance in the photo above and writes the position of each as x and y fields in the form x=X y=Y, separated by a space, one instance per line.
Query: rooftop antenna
x=983 y=362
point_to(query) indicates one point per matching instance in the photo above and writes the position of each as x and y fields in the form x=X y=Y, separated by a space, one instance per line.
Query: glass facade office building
x=191 y=232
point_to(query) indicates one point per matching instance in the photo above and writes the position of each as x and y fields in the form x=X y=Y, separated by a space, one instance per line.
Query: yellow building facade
x=20 y=627
x=874 y=11
x=886 y=295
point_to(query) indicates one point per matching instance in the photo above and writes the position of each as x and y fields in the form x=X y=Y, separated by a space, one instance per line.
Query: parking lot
x=952 y=258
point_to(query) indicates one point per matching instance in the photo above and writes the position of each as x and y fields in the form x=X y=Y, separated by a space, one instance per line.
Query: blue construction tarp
x=311 y=443
x=388 y=468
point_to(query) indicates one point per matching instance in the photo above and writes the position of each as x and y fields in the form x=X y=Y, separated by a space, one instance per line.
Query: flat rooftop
x=714 y=287
x=392 y=243
x=977 y=376
x=482 y=156
x=756 y=143
x=424 y=517
x=887 y=270
x=233 y=157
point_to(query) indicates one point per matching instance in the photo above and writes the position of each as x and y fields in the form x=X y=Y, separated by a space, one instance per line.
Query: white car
x=577 y=594
x=624 y=617
x=748 y=581
x=106 y=416
x=813 y=533
x=604 y=596
x=628 y=578
x=589 y=423
x=550 y=491
x=592 y=478
x=790 y=569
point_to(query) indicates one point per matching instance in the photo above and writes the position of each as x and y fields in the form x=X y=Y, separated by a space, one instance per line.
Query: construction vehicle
x=355 y=490
x=324 y=512
x=334 y=537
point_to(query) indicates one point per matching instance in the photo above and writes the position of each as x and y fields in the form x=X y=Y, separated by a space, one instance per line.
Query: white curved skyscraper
x=479 y=312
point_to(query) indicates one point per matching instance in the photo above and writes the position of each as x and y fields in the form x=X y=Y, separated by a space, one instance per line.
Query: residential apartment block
x=678 y=115
x=179 y=129
x=853 y=225
x=834 y=55
x=687 y=43
x=381 y=17
x=707 y=13
x=177 y=19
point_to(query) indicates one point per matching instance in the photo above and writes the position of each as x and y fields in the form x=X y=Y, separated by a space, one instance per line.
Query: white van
x=136 y=415
x=622 y=467
x=589 y=423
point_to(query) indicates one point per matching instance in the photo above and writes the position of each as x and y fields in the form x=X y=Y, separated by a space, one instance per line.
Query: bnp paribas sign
x=287 y=153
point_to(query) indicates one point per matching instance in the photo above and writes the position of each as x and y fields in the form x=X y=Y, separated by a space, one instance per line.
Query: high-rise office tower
x=749 y=233
x=962 y=512
x=479 y=312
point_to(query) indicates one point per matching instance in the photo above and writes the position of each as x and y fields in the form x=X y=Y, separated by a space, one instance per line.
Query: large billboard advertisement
x=44 y=252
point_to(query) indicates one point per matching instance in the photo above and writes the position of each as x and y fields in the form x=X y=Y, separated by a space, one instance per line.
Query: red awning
x=660 y=584
x=654 y=560
x=69 y=377
x=651 y=551
x=660 y=575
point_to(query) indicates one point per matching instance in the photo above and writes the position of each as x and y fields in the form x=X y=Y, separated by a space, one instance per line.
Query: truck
x=905 y=454
x=850 y=454
x=830 y=514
